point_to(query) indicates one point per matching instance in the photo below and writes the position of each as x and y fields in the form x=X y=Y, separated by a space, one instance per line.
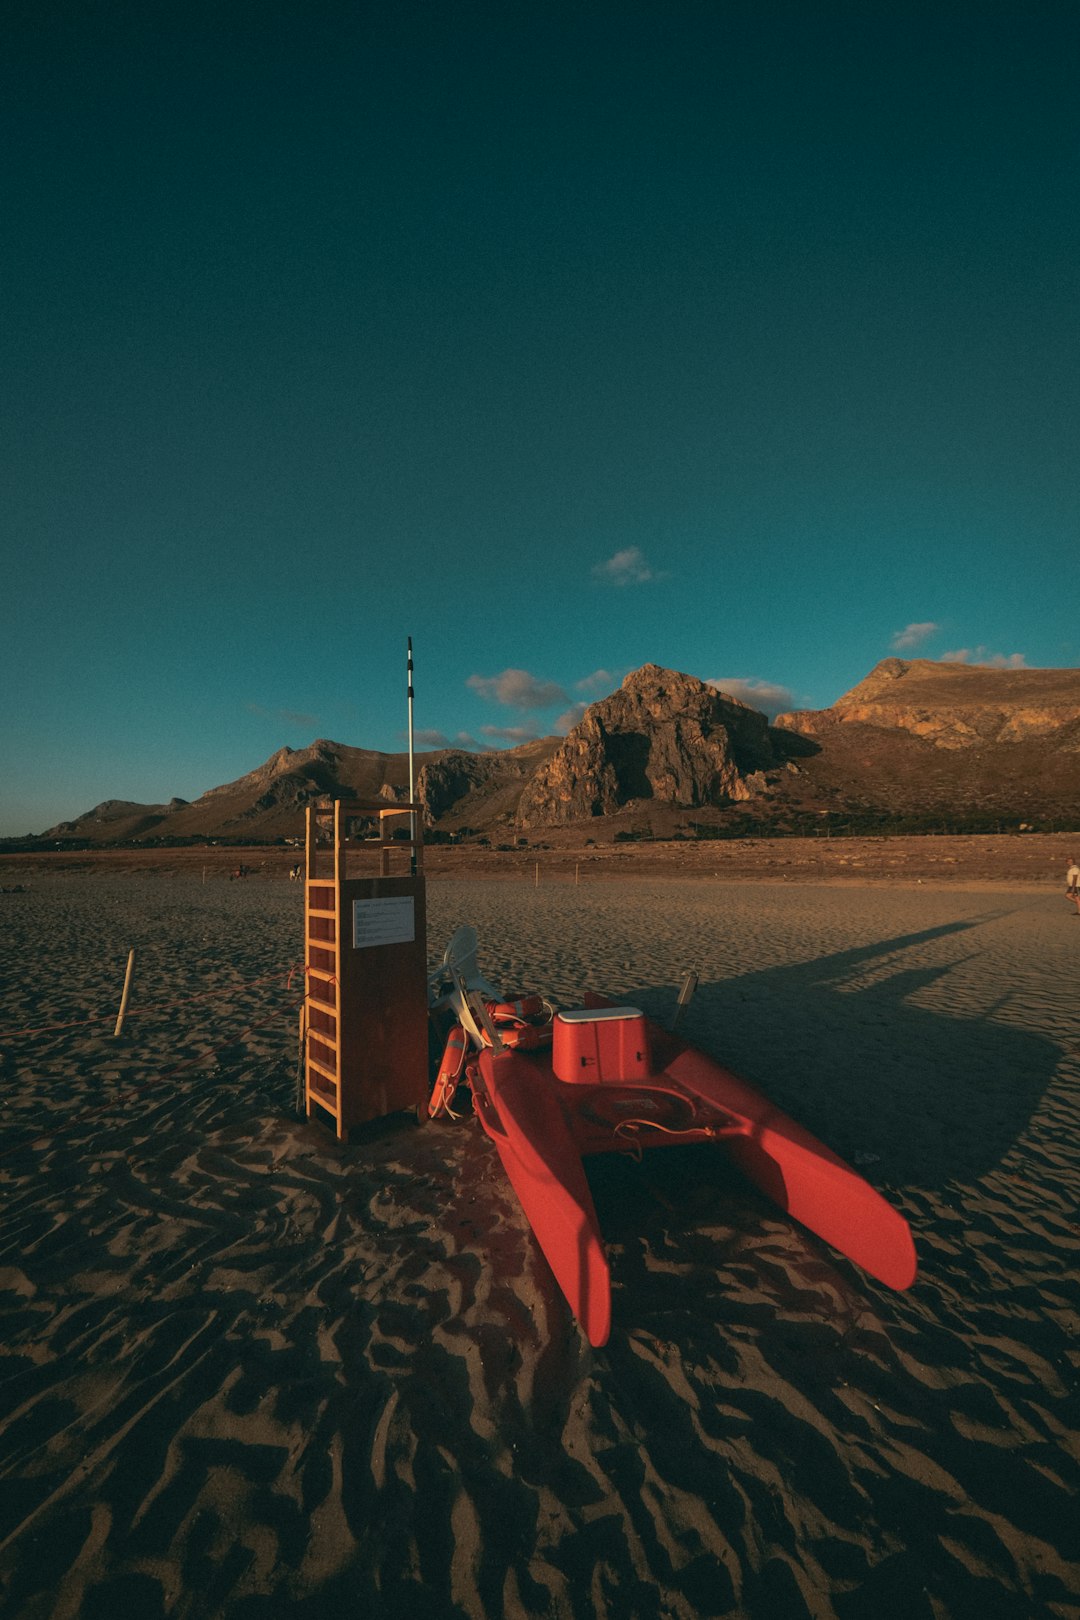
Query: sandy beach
x=247 y=1371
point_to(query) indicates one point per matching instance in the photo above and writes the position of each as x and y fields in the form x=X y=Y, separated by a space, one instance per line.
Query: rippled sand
x=249 y=1372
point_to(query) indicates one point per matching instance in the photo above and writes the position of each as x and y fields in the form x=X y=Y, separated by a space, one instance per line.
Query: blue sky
x=565 y=338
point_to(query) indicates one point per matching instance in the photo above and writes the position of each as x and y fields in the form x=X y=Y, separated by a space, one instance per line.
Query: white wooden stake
x=126 y=994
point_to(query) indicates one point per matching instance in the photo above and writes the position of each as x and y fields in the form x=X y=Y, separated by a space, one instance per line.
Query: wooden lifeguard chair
x=365 y=955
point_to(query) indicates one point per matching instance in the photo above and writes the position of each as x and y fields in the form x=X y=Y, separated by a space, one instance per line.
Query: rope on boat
x=633 y=1147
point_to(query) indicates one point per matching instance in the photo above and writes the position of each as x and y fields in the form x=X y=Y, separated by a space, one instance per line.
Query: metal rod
x=686 y=993
x=412 y=786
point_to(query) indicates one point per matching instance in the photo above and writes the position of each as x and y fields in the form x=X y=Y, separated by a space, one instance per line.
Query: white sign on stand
x=383 y=922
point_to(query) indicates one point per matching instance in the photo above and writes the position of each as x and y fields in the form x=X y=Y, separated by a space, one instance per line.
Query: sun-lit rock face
x=955 y=705
x=914 y=740
x=661 y=736
x=442 y=782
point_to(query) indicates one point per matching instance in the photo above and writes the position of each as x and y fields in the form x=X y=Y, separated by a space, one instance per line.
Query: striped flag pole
x=412 y=782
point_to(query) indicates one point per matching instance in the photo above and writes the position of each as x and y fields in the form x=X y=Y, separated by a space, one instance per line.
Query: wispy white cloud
x=517 y=689
x=438 y=739
x=285 y=717
x=627 y=567
x=767 y=696
x=984 y=658
x=511 y=734
x=600 y=683
x=566 y=722
x=913 y=635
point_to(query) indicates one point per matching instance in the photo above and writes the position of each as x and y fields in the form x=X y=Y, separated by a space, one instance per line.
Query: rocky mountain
x=116 y=821
x=956 y=705
x=269 y=802
x=661 y=738
x=915 y=744
x=922 y=743
x=457 y=788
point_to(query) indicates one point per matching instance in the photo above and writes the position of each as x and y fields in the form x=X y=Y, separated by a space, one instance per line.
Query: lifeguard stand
x=365 y=952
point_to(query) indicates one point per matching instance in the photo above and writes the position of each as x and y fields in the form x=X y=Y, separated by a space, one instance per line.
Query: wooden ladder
x=352 y=1047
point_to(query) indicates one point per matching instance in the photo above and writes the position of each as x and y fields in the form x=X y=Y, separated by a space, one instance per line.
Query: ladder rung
x=325 y=1100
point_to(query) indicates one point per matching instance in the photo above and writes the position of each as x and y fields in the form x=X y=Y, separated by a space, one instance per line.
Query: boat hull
x=528 y=1124
x=541 y=1127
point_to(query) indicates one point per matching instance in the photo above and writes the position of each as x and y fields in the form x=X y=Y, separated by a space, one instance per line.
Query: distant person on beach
x=1072 y=884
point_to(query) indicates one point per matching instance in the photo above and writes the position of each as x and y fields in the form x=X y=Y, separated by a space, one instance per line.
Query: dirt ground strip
x=1018 y=858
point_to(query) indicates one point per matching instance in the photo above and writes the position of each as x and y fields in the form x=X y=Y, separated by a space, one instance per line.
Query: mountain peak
x=666 y=742
x=662 y=736
x=953 y=704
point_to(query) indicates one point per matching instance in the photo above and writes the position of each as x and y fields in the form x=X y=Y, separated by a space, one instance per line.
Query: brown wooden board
x=383 y=1022
x=366 y=961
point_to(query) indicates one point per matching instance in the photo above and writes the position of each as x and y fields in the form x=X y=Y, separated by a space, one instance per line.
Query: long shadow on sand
x=841 y=1044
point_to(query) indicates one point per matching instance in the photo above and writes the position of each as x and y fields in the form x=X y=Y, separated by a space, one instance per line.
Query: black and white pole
x=412 y=780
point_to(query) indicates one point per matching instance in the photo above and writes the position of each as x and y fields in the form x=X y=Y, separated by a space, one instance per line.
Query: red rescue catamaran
x=550 y=1087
